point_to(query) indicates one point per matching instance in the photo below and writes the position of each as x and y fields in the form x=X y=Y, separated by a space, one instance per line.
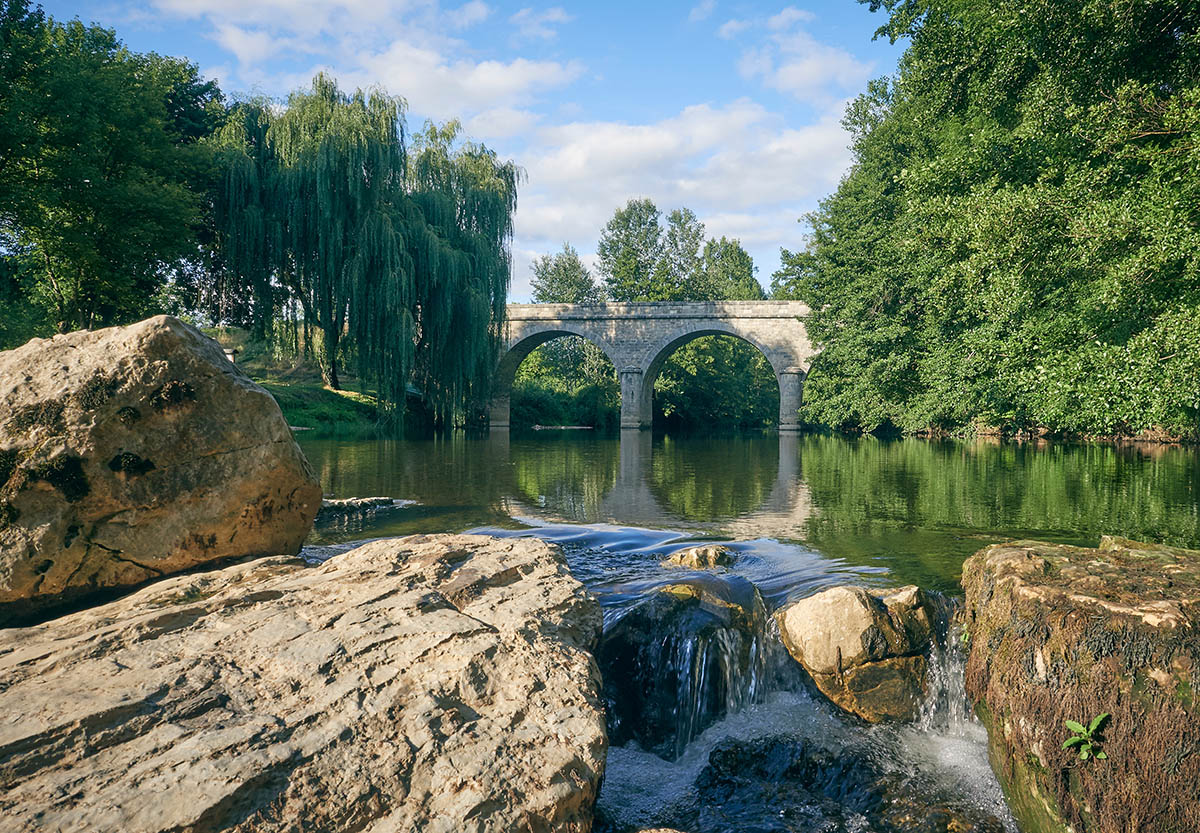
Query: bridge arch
x=781 y=363
x=638 y=337
x=499 y=410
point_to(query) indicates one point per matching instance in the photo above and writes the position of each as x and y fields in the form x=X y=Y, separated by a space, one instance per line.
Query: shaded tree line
x=1017 y=244
x=129 y=185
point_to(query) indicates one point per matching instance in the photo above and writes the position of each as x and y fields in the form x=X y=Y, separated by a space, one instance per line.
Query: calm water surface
x=905 y=510
x=801 y=513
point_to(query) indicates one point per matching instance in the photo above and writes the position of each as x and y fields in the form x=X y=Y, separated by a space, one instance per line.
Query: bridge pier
x=499 y=411
x=635 y=405
x=791 y=393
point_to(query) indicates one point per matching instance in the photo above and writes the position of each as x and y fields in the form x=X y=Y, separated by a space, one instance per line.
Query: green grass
x=297 y=387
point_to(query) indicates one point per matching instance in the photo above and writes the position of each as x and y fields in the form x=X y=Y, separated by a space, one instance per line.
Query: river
x=802 y=513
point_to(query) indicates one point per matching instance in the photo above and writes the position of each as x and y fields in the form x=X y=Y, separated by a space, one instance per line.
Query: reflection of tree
x=933 y=503
x=565 y=475
x=706 y=481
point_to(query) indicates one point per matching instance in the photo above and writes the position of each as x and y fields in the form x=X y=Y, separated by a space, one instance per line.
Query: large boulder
x=137 y=452
x=681 y=658
x=1062 y=633
x=435 y=684
x=865 y=649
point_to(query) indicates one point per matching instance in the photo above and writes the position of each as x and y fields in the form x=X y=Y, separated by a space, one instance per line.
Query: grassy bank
x=306 y=402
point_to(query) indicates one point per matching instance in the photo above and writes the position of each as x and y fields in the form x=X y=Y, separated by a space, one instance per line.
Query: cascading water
x=684 y=656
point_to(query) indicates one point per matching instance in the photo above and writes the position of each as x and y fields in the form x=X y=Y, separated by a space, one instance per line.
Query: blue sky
x=729 y=108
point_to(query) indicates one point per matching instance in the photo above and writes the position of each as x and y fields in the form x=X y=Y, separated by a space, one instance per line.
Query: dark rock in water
x=350 y=514
x=791 y=785
x=1063 y=633
x=681 y=659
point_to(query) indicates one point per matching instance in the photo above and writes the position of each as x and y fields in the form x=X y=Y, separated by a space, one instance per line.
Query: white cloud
x=739 y=167
x=701 y=11
x=732 y=28
x=533 y=25
x=468 y=14
x=788 y=16
x=792 y=61
x=501 y=123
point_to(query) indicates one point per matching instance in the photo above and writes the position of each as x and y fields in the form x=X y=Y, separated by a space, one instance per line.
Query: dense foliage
x=1018 y=242
x=406 y=258
x=128 y=187
x=102 y=173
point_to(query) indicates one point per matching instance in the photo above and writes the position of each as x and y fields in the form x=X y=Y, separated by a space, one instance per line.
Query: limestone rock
x=865 y=649
x=701 y=557
x=680 y=659
x=1061 y=633
x=136 y=452
x=433 y=683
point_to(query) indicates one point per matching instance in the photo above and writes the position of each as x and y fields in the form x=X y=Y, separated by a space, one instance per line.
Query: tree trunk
x=328 y=358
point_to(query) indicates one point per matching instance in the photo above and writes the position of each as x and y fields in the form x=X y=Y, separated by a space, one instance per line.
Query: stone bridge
x=638 y=338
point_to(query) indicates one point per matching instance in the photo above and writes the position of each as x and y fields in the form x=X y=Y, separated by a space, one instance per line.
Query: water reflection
x=914 y=507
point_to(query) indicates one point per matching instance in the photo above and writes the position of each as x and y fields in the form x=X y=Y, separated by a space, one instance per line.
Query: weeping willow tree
x=401 y=261
x=248 y=232
x=467 y=198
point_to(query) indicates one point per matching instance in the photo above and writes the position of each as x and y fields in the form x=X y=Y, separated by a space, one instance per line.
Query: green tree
x=563 y=279
x=398 y=259
x=1014 y=245
x=100 y=171
x=729 y=271
x=629 y=250
x=679 y=274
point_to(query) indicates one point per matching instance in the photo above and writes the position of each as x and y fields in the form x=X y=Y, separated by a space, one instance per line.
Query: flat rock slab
x=131 y=453
x=430 y=683
x=1061 y=633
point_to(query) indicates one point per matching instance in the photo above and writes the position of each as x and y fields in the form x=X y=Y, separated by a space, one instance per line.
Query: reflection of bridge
x=632 y=502
x=638 y=338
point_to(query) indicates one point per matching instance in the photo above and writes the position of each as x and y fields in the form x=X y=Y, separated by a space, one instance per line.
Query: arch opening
x=555 y=378
x=711 y=378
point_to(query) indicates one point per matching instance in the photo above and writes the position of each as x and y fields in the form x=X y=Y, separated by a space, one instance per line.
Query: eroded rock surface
x=431 y=683
x=136 y=452
x=703 y=557
x=865 y=649
x=1067 y=633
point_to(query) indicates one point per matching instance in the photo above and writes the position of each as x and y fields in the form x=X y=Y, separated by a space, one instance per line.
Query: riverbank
x=307 y=403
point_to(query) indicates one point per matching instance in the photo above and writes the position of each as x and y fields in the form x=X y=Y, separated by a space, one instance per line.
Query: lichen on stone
x=172 y=394
x=64 y=473
x=128 y=415
x=130 y=464
x=95 y=392
x=45 y=414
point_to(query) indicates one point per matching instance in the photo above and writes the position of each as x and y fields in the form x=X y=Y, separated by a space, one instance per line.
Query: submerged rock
x=796 y=785
x=432 y=683
x=702 y=557
x=135 y=452
x=865 y=649
x=1063 y=633
x=681 y=659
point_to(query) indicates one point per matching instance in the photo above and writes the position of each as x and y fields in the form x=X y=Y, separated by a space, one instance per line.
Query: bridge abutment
x=791 y=394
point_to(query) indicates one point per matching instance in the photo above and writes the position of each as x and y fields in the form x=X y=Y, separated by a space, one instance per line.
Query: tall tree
x=678 y=275
x=729 y=271
x=629 y=250
x=399 y=259
x=99 y=172
x=563 y=279
x=1015 y=243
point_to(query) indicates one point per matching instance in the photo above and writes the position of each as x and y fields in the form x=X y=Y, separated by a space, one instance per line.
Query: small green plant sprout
x=1086 y=739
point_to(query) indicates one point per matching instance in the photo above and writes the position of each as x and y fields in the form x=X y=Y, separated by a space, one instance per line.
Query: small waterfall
x=681 y=659
x=946 y=710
